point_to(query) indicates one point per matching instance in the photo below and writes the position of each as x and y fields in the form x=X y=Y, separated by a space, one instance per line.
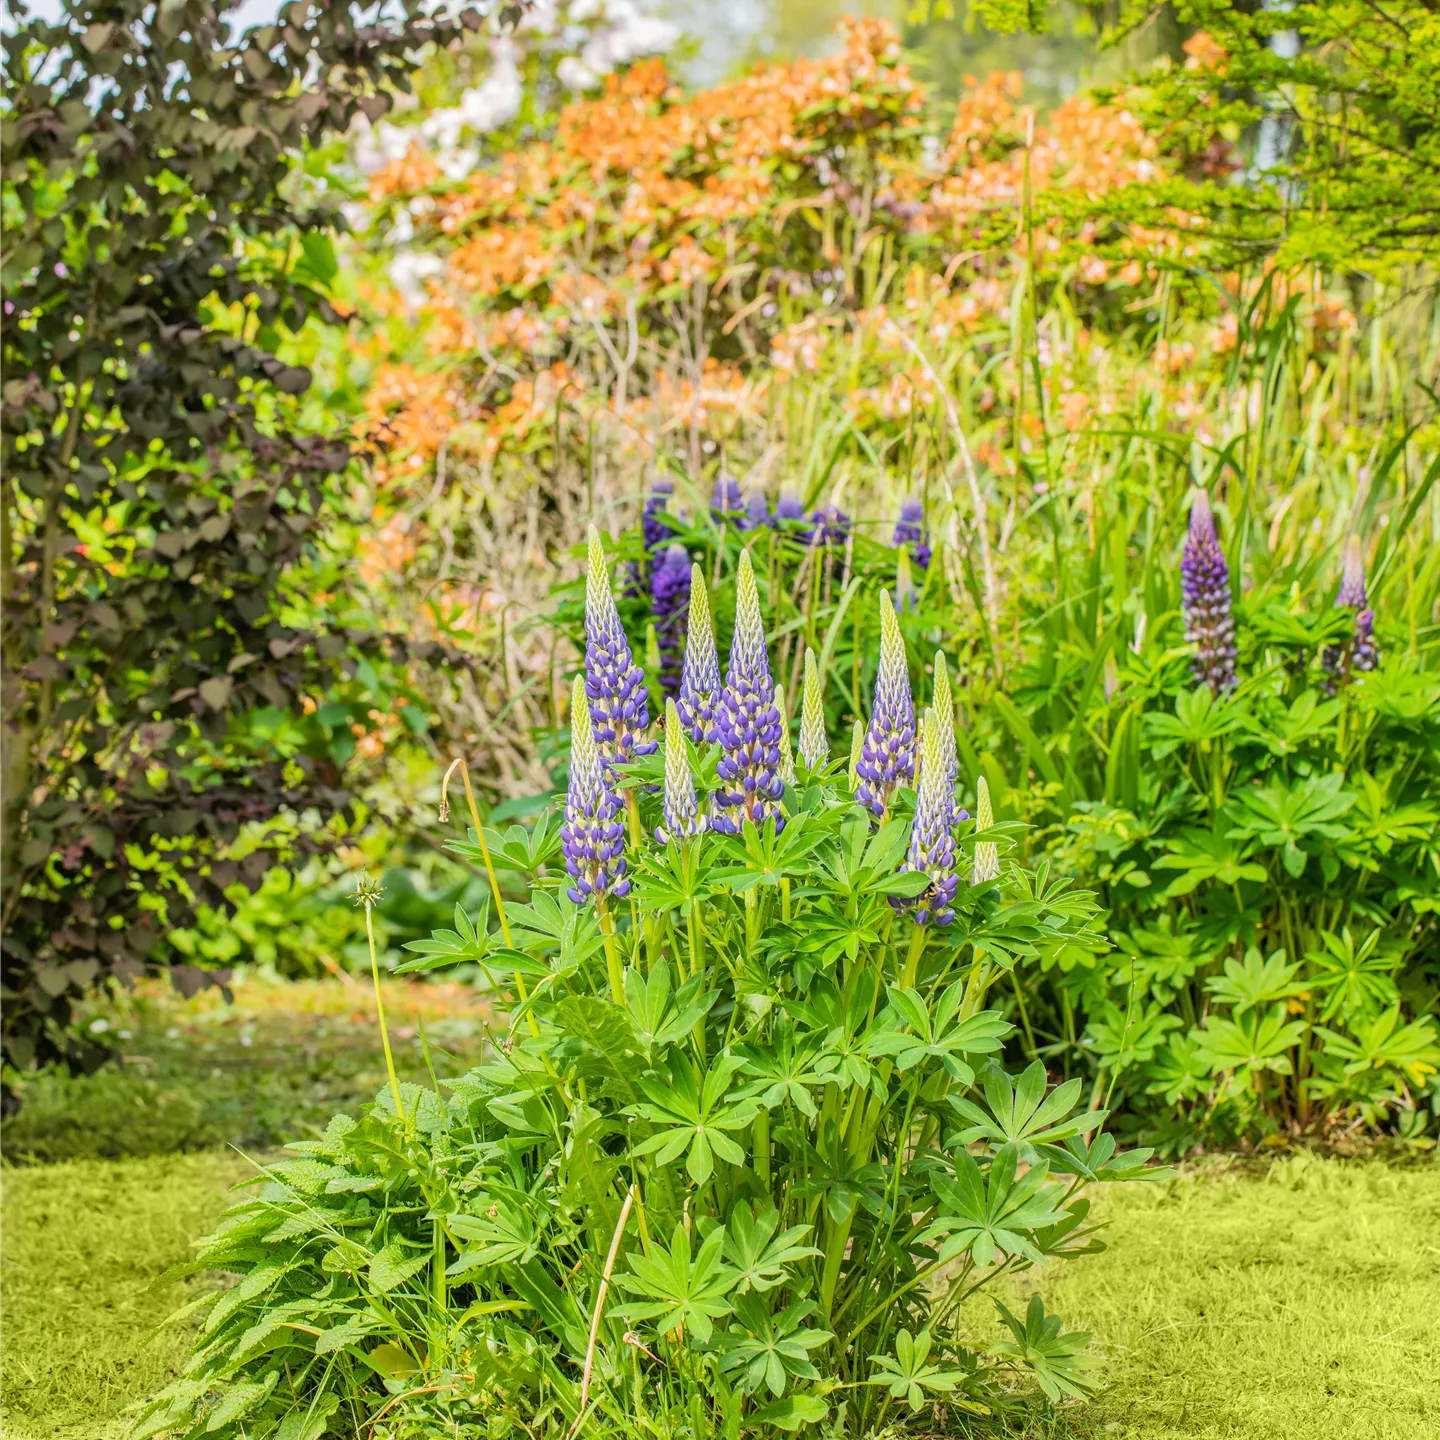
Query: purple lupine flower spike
x=653 y=529
x=1205 y=581
x=788 y=508
x=887 y=758
x=749 y=722
x=910 y=532
x=832 y=525
x=669 y=600
x=683 y=820
x=700 y=683
x=614 y=683
x=1359 y=654
x=757 y=511
x=592 y=839
x=932 y=837
x=727 y=505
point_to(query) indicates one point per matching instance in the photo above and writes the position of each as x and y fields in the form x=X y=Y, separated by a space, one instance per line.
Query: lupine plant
x=1259 y=809
x=747 y=1142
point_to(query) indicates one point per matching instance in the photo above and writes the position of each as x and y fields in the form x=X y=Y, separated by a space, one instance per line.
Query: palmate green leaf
x=507 y=1227
x=691 y=1116
x=989 y=1214
x=1204 y=856
x=786 y=1069
x=1096 y=1159
x=1261 y=1042
x=1353 y=979
x=759 y=1256
x=1255 y=982
x=1383 y=1042
x=908 y=1374
x=1053 y=1358
x=468 y=943
x=659 y=1018
x=832 y=1172
x=552 y=922
x=1279 y=813
x=676 y=1290
x=770 y=1351
x=1021 y=1112
x=791 y=1413
x=1199 y=719
x=911 y=1032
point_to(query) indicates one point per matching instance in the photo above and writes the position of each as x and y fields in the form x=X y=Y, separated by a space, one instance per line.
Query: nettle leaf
x=394 y=1264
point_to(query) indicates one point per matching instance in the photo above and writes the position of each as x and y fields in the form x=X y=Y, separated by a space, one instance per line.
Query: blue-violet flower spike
x=911 y=534
x=1205 y=582
x=700 y=678
x=727 y=505
x=887 y=759
x=1359 y=654
x=614 y=683
x=592 y=839
x=669 y=600
x=748 y=721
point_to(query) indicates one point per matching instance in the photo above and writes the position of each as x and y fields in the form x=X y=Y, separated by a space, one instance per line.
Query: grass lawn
x=1290 y=1300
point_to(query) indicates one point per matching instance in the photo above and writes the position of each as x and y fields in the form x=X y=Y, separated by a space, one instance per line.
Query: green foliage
x=1347 y=96
x=163 y=497
x=732 y=1201
x=1267 y=860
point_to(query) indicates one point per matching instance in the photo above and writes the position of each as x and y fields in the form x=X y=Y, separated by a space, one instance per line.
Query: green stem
x=612 y=955
x=380 y=1013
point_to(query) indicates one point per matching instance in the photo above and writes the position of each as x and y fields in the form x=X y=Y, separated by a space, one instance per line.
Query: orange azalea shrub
x=674 y=282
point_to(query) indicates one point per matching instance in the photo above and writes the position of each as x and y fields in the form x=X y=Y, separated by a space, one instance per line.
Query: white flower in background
x=586 y=39
x=575 y=74
x=409 y=271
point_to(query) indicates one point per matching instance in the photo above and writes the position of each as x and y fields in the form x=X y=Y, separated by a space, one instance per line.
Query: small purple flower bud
x=614 y=683
x=748 y=721
x=592 y=838
x=887 y=758
x=669 y=600
x=700 y=678
x=683 y=820
x=1205 y=582
x=910 y=532
x=1359 y=654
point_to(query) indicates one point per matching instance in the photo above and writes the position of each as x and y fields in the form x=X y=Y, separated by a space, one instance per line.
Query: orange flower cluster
x=655 y=228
